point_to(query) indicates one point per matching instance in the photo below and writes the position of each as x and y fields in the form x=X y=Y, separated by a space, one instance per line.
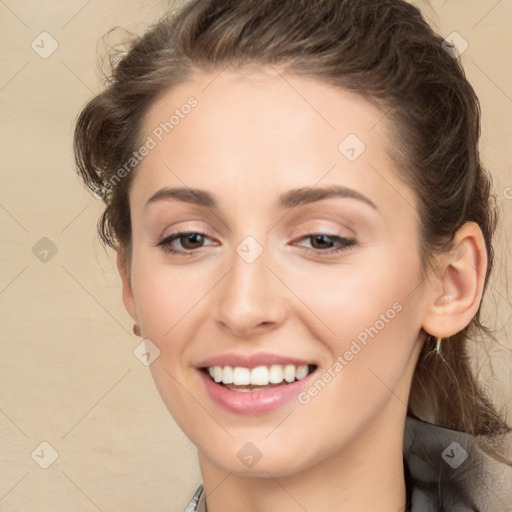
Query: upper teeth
x=259 y=376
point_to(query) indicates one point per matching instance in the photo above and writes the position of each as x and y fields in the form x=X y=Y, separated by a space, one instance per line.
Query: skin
x=253 y=136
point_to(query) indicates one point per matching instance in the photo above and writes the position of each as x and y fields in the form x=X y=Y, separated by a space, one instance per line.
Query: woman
x=304 y=235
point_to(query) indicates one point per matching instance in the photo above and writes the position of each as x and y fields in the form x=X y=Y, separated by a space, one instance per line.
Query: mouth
x=259 y=378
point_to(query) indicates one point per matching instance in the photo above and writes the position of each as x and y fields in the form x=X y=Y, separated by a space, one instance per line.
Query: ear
x=123 y=267
x=456 y=285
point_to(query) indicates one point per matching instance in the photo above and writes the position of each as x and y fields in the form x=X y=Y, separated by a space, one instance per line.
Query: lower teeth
x=246 y=389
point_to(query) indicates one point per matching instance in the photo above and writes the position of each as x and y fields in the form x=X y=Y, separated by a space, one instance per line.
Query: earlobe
x=456 y=286
x=125 y=274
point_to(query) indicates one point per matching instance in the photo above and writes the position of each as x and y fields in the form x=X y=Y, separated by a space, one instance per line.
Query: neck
x=366 y=476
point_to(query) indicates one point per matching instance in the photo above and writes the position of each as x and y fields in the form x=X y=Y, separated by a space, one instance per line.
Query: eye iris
x=323 y=239
x=192 y=238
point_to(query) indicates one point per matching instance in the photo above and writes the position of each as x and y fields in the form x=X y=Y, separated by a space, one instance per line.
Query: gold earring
x=136 y=330
x=438 y=345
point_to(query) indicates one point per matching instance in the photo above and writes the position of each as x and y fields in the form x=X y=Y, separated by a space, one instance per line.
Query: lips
x=256 y=383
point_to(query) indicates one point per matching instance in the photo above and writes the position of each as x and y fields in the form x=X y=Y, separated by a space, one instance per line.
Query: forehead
x=262 y=128
x=264 y=100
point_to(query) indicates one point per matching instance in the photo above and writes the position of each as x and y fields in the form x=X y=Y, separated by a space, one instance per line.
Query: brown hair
x=384 y=51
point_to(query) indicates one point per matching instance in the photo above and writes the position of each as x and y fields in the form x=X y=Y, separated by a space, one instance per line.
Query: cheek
x=375 y=332
x=167 y=300
x=347 y=300
x=164 y=297
x=369 y=323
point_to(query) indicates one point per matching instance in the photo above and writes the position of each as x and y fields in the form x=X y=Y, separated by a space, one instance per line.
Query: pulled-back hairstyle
x=381 y=49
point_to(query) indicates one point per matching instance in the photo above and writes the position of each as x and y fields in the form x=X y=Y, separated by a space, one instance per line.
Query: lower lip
x=253 y=402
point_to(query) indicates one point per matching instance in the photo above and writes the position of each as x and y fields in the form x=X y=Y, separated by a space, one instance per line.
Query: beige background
x=69 y=376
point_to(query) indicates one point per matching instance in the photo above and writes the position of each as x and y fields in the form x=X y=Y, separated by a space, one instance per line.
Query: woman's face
x=280 y=277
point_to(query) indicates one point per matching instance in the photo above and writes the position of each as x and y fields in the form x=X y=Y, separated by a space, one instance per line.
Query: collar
x=451 y=471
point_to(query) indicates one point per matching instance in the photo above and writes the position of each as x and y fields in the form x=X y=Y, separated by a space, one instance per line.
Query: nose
x=250 y=299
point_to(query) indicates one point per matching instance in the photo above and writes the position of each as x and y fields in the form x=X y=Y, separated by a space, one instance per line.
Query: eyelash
x=345 y=243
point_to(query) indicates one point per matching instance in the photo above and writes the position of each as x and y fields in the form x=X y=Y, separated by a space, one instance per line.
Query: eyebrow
x=289 y=199
x=301 y=196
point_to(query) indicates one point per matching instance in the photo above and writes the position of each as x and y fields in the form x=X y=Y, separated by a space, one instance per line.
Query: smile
x=246 y=384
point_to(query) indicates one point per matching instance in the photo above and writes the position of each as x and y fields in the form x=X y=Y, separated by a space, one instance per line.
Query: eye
x=323 y=243
x=189 y=241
